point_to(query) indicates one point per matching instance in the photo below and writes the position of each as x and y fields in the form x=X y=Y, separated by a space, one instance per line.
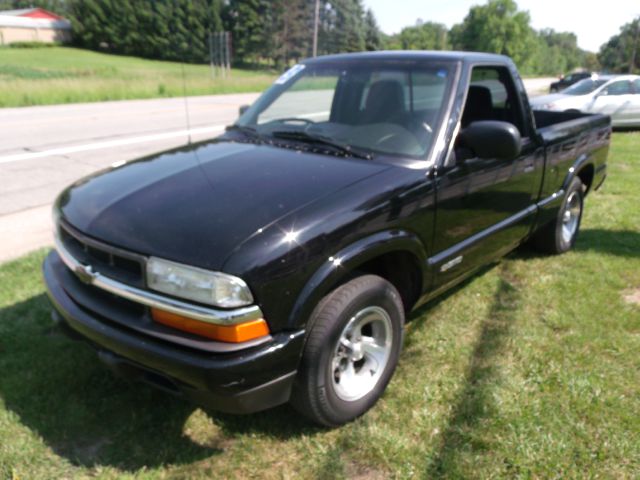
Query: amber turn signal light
x=241 y=332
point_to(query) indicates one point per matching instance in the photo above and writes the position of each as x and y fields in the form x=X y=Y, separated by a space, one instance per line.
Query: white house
x=33 y=25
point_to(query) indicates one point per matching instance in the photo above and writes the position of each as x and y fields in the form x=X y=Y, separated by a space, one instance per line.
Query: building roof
x=38 y=20
x=32 y=13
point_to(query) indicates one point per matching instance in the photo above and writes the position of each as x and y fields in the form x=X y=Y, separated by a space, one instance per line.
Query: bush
x=34 y=44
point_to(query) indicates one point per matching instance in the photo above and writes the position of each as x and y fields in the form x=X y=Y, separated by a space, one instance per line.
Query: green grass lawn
x=40 y=76
x=531 y=369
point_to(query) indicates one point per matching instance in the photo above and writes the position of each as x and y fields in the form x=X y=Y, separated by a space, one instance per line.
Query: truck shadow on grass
x=622 y=243
x=59 y=390
x=474 y=401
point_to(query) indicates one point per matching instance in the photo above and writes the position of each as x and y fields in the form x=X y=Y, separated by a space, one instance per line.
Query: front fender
x=342 y=263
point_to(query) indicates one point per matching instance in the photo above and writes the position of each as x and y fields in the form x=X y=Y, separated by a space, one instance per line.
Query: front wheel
x=351 y=352
x=560 y=235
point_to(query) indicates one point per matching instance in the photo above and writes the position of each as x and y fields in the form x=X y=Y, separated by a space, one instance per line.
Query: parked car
x=568 y=80
x=280 y=261
x=615 y=95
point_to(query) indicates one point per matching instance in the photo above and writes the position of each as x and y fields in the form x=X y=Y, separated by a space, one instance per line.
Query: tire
x=351 y=351
x=560 y=235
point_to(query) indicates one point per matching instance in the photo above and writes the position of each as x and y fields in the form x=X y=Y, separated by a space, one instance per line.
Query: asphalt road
x=44 y=149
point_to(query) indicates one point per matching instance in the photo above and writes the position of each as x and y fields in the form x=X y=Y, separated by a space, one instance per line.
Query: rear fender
x=581 y=162
x=548 y=207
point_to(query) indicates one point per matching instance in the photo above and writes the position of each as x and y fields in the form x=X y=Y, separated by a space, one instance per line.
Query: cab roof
x=436 y=55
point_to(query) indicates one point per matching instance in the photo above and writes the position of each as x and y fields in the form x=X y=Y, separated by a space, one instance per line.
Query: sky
x=593 y=22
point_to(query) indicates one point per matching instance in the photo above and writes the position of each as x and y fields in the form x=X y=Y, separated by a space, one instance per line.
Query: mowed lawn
x=531 y=369
x=40 y=76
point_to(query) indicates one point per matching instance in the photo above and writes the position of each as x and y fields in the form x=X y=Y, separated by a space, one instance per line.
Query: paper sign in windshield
x=292 y=72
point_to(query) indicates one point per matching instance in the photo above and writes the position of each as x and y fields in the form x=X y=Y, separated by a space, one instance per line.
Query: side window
x=619 y=88
x=492 y=96
x=636 y=86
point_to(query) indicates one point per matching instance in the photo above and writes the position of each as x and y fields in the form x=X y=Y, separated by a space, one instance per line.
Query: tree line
x=279 y=32
x=500 y=27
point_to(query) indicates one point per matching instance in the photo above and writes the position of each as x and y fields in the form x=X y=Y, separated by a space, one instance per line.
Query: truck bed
x=546 y=119
x=572 y=139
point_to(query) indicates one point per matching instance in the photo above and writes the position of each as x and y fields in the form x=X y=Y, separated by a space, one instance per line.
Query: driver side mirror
x=492 y=139
x=242 y=109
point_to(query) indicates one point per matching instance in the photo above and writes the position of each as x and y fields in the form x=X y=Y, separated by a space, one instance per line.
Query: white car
x=614 y=95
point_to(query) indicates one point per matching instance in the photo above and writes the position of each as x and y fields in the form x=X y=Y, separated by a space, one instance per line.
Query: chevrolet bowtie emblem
x=85 y=273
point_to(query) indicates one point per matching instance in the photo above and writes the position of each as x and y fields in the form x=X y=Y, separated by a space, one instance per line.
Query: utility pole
x=211 y=59
x=316 y=20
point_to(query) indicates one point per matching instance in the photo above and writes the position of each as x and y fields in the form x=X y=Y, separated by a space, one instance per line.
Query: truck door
x=485 y=206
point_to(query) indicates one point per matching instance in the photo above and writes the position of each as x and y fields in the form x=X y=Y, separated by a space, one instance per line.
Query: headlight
x=197 y=284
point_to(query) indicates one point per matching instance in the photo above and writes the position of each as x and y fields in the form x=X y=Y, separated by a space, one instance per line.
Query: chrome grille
x=113 y=262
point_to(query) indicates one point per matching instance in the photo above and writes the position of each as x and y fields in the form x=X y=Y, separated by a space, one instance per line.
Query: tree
x=372 y=34
x=164 y=29
x=342 y=27
x=422 y=36
x=289 y=32
x=498 y=27
x=278 y=31
x=621 y=54
x=564 y=48
x=591 y=62
x=249 y=22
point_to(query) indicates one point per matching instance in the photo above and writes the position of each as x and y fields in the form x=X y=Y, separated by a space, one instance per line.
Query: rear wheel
x=351 y=351
x=560 y=235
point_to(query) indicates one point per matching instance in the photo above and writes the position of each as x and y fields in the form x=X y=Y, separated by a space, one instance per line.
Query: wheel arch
x=584 y=169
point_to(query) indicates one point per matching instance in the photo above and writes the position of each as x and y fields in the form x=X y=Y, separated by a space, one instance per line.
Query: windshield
x=583 y=87
x=380 y=108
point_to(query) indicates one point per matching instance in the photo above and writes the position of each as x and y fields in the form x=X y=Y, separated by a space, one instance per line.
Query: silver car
x=614 y=95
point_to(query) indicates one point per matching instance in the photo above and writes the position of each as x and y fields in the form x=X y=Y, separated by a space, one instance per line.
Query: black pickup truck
x=278 y=262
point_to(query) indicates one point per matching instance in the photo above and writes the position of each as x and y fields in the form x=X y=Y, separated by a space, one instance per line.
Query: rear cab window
x=492 y=96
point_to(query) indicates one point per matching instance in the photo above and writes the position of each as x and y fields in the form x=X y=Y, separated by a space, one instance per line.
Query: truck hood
x=196 y=204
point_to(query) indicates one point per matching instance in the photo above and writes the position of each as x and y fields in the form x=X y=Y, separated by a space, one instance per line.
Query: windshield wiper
x=305 y=137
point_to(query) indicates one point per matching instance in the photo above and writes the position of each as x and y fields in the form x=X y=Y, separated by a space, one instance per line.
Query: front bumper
x=242 y=381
